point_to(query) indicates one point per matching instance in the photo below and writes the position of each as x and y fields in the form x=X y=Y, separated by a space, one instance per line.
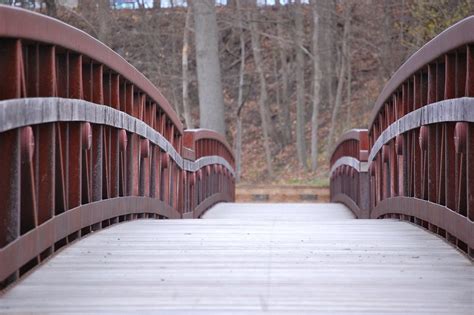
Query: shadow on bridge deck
x=246 y=258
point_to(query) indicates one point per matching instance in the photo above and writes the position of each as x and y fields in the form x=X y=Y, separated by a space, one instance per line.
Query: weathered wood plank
x=244 y=258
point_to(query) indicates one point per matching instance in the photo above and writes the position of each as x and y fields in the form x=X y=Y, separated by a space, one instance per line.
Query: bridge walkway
x=248 y=258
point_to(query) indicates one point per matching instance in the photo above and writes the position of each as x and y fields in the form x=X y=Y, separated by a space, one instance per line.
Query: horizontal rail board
x=452 y=110
x=349 y=161
x=22 y=112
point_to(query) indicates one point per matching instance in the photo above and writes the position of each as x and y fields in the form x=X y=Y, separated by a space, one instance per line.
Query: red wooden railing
x=87 y=141
x=348 y=176
x=421 y=139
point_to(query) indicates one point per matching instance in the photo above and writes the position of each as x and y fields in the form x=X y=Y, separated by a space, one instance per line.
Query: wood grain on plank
x=249 y=259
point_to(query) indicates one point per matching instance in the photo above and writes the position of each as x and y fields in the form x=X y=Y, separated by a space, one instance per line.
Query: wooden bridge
x=87 y=142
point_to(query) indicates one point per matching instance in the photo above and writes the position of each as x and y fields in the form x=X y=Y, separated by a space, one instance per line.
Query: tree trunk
x=262 y=101
x=103 y=19
x=51 y=8
x=282 y=125
x=211 y=99
x=387 y=55
x=342 y=73
x=175 y=100
x=316 y=85
x=349 y=87
x=187 y=111
x=300 y=99
x=284 y=117
x=141 y=4
x=240 y=99
x=328 y=26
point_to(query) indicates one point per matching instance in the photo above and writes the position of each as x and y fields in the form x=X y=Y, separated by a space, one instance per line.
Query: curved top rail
x=457 y=35
x=359 y=135
x=191 y=136
x=24 y=24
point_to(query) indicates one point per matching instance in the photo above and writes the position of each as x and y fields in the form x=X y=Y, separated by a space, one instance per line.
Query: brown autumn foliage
x=383 y=34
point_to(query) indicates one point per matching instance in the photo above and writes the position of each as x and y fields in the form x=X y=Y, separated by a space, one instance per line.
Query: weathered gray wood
x=349 y=161
x=458 y=109
x=16 y=113
x=244 y=258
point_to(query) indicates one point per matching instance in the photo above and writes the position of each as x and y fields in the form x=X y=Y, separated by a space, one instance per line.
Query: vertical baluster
x=114 y=157
x=133 y=164
x=470 y=71
x=449 y=171
x=165 y=162
x=97 y=150
x=460 y=72
x=157 y=170
x=122 y=175
x=470 y=171
x=144 y=167
x=433 y=163
x=74 y=140
x=28 y=203
x=460 y=142
x=417 y=156
x=46 y=137
x=153 y=171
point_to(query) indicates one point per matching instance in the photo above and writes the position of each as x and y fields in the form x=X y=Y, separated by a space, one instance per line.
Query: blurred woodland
x=294 y=74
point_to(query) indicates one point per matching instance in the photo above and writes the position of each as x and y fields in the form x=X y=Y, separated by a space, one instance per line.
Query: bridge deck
x=248 y=259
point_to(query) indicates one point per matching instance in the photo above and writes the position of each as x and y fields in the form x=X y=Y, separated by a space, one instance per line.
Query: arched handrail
x=207 y=142
x=358 y=149
x=420 y=139
x=348 y=172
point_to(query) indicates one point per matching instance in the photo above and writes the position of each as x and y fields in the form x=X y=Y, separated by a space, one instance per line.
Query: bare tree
x=185 y=53
x=240 y=100
x=315 y=5
x=342 y=72
x=328 y=51
x=349 y=87
x=51 y=7
x=262 y=100
x=211 y=99
x=284 y=117
x=300 y=85
x=103 y=18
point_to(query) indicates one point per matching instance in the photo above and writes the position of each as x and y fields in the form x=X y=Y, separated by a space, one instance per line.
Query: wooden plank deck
x=249 y=259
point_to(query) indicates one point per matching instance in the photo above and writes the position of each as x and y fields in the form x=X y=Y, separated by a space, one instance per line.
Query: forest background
x=294 y=74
